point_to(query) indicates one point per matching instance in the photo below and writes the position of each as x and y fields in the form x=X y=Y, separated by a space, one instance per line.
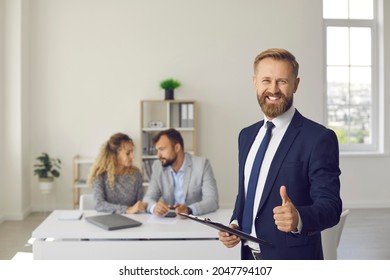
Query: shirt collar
x=282 y=120
x=181 y=169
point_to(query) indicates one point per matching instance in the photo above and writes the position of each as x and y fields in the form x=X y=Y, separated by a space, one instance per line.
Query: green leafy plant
x=47 y=168
x=170 y=84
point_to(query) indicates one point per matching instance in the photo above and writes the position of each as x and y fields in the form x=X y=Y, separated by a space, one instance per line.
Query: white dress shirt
x=281 y=124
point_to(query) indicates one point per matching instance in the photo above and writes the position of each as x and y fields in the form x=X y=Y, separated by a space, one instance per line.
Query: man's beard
x=275 y=110
x=168 y=162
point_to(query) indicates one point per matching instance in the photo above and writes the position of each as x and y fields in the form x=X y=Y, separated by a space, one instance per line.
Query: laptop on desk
x=113 y=221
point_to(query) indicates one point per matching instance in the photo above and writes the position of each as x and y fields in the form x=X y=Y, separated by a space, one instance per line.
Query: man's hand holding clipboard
x=234 y=235
x=228 y=239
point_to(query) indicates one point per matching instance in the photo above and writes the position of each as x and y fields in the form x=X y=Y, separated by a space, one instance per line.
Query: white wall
x=15 y=186
x=2 y=191
x=90 y=62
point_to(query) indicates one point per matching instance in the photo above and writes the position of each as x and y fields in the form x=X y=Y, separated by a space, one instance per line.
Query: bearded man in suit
x=297 y=192
x=180 y=182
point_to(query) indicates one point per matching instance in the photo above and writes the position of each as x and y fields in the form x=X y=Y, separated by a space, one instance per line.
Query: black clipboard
x=219 y=226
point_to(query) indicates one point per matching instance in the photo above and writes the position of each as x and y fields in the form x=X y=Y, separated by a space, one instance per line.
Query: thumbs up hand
x=286 y=215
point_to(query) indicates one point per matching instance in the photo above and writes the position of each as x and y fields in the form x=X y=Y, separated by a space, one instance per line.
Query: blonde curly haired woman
x=116 y=182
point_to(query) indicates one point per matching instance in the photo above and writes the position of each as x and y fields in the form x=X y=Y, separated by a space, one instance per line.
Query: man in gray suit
x=180 y=182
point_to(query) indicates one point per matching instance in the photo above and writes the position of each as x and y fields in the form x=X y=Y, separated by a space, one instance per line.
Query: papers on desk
x=70 y=215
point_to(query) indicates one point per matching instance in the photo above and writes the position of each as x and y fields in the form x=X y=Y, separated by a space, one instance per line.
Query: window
x=351 y=75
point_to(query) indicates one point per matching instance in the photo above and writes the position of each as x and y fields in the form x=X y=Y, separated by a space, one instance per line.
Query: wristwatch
x=189 y=211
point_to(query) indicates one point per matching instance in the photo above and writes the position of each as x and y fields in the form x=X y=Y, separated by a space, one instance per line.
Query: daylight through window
x=351 y=42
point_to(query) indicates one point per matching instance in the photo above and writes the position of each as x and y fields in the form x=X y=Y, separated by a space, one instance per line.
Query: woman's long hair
x=107 y=159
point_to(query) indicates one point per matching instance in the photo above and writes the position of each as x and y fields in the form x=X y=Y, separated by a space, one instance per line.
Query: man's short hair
x=278 y=54
x=173 y=135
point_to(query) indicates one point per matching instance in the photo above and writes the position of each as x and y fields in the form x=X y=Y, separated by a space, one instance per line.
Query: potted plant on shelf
x=47 y=169
x=169 y=85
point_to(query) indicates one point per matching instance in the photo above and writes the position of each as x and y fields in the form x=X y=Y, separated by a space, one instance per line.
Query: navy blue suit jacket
x=307 y=163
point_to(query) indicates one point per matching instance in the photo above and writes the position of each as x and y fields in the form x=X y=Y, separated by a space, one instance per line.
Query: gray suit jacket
x=199 y=184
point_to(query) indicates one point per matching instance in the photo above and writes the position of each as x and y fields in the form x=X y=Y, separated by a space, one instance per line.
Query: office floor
x=15 y=234
x=366 y=235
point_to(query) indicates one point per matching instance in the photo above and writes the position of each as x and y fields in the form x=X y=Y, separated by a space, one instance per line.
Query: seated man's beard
x=169 y=162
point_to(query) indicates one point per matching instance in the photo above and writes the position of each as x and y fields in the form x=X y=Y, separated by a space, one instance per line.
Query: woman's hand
x=138 y=207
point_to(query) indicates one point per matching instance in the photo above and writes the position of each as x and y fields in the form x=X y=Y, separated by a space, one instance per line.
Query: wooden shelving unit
x=157 y=115
x=81 y=167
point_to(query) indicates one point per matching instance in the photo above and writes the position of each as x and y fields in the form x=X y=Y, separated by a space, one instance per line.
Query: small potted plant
x=169 y=85
x=47 y=169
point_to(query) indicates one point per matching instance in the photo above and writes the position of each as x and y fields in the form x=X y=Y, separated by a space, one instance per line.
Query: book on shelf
x=190 y=115
x=147 y=168
x=183 y=114
x=186 y=115
x=145 y=143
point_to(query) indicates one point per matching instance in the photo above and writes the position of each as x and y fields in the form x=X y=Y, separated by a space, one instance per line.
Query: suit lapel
x=187 y=175
x=284 y=146
x=170 y=197
x=247 y=142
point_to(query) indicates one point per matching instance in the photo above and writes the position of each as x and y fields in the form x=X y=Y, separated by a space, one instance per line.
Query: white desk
x=157 y=238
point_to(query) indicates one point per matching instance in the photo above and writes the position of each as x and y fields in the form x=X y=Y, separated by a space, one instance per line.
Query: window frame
x=376 y=145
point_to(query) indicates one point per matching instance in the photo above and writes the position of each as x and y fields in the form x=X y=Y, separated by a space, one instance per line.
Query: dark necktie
x=253 y=178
